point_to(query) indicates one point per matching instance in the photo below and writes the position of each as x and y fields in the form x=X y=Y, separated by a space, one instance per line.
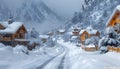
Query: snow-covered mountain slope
x=96 y=14
x=65 y=8
x=25 y=10
x=31 y=12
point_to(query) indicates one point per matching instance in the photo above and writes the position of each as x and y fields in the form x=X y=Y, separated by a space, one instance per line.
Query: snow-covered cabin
x=61 y=31
x=115 y=17
x=88 y=33
x=9 y=31
x=44 y=38
x=76 y=30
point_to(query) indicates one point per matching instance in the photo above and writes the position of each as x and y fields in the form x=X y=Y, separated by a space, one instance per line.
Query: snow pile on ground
x=20 y=57
x=20 y=49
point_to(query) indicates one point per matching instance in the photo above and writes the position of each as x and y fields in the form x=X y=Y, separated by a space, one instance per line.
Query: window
x=7 y=35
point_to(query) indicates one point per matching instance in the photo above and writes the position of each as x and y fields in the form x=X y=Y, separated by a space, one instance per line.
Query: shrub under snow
x=92 y=40
x=2 y=45
x=20 y=49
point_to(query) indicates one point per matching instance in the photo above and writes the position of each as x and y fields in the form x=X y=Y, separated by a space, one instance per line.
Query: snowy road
x=56 y=62
x=74 y=58
x=64 y=56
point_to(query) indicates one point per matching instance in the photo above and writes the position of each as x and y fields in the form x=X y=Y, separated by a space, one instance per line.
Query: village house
x=114 y=20
x=61 y=31
x=12 y=31
x=44 y=38
x=88 y=33
x=76 y=30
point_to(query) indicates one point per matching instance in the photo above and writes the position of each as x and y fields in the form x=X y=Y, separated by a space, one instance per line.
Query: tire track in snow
x=61 y=66
x=47 y=62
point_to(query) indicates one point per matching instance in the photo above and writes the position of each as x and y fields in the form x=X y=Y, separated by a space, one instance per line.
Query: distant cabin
x=88 y=33
x=61 y=31
x=114 y=20
x=44 y=38
x=75 y=31
x=10 y=31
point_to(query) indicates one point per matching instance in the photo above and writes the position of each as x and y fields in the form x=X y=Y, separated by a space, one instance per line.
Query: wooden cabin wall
x=21 y=32
x=6 y=38
x=114 y=18
x=84 y=36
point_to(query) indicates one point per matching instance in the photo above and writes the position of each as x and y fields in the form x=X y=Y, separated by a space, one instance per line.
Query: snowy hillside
x=65 y=8
x=25 y=10
x=30 y=12
x=95 y=13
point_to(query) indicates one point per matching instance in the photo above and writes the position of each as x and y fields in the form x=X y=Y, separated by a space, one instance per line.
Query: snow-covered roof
x=44 y=36
x=74 y=37
x=116 y=9
x=76 y=27
x=4 y=24
x=89 y=29
x=11 y=28
x=82 y=31
x=61 y=30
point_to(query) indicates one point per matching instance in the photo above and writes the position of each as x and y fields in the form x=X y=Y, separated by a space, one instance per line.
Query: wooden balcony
x=6 y=39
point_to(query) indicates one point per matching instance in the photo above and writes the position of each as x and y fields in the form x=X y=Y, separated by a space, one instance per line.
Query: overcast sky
x=64 y=8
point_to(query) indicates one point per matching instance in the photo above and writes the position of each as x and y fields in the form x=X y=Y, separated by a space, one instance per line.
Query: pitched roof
x=116 y=9
x=81 y=31
x=4 y=24
x=10 y=28
x=89 y=29
x=61 y=30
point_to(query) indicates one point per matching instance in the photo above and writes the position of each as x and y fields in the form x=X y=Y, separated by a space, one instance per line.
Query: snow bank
x=20 y=49
x=2 y=45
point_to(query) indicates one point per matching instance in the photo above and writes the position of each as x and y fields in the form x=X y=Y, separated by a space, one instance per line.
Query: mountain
x=25 y=10
x=95 y=13
x=65 y=8
x=32 y=12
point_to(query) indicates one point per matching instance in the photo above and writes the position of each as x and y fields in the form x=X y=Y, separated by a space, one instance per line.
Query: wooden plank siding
x=19 y=34
x=113 y=20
